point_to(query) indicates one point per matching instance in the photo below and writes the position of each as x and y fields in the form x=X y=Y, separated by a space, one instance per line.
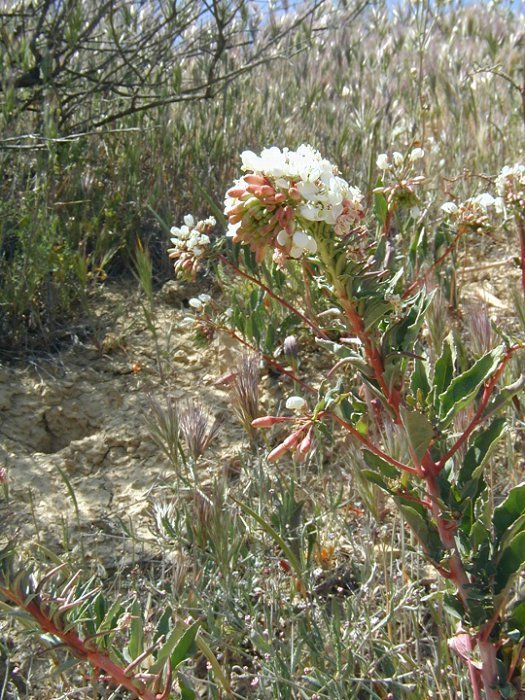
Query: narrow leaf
x=510 y=562
x=419 y=431
x=136 y=640
x=463 y=389
x=510 y=510
x=185 y=646
x=444 y=370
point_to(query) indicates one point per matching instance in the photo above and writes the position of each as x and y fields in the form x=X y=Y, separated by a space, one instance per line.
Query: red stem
x=419 y=281
x=371 y=447
x=281 y=301
x=268 y=359
x=489 y=388
x=80 y=647
x=521 y=232
x=372 y=354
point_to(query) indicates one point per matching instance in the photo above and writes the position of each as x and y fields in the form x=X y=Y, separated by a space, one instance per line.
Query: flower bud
x=285 y=446
x=290 y=347
x=416 y=154
x=382 y=161
x=267 y=421
x=296 y=403
x=397 y=158
x=306 y=444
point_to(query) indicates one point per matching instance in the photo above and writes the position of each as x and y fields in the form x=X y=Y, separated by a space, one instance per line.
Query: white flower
x=189 y=221
x=449 y=208
x=311 y=245
x=296 y=403
x=196 y=304
x=398 y=159
x=232 y=229
x=300 y=239
x=484 y=200
x=282 y=237
x=499 y=205
x=416 y=154
x=382 y=161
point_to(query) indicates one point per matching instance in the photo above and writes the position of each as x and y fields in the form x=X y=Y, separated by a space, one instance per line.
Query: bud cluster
x=191 y=243
x=282 y=196
x=472 y=215
x=398 y=159
x=510 y=185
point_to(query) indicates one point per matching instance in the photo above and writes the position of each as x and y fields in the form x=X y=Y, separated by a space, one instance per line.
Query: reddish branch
x=81 y=649
x=281 y=301
x=489 y=388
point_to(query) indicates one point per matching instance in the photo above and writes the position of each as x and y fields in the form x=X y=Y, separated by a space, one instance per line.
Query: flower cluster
x=398 y=159
x=510 y=185
x=399 y=179
x=190 y=245
x=283 y=195
x=472 y=215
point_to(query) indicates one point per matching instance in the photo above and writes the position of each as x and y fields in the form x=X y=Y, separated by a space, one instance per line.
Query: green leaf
x=419 y=431
x=400 y=336
x=376 y=479
x=380 y=205
x=419 y=381
x=480 y=451
x=510 y=561
x=505 y=395
x=185 y=647
x=416 y=521
x=424 y=530
x=510 y=510
x=375 y=311
x=453 y=606
x=516 y=619
x=375 y=462
x=444 y=370
x=463 y=389
x=179 y=645
x=186 y=691
x=215 y=665
x=340 y=351
x=136 y=637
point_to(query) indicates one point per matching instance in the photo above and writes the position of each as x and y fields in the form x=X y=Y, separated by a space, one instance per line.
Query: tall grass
x=444 y=75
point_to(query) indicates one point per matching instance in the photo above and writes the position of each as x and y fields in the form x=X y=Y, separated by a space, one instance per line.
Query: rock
x=176 y=292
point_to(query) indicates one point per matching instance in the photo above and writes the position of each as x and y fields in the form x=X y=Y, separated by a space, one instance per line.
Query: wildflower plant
x=427 y=419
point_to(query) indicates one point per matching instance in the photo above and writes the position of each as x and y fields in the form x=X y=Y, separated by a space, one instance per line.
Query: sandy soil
x=75 y=422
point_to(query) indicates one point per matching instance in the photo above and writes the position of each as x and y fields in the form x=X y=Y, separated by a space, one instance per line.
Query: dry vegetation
x=285 y=580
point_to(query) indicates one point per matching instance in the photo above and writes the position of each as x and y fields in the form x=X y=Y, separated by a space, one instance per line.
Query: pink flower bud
x=255 y=180
x=279 y=197
x=267 y=421
x=285 y=446
x=279 y=451
x=234 y=217
x=267 y=191
x=306 y=444
x=236 y=191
